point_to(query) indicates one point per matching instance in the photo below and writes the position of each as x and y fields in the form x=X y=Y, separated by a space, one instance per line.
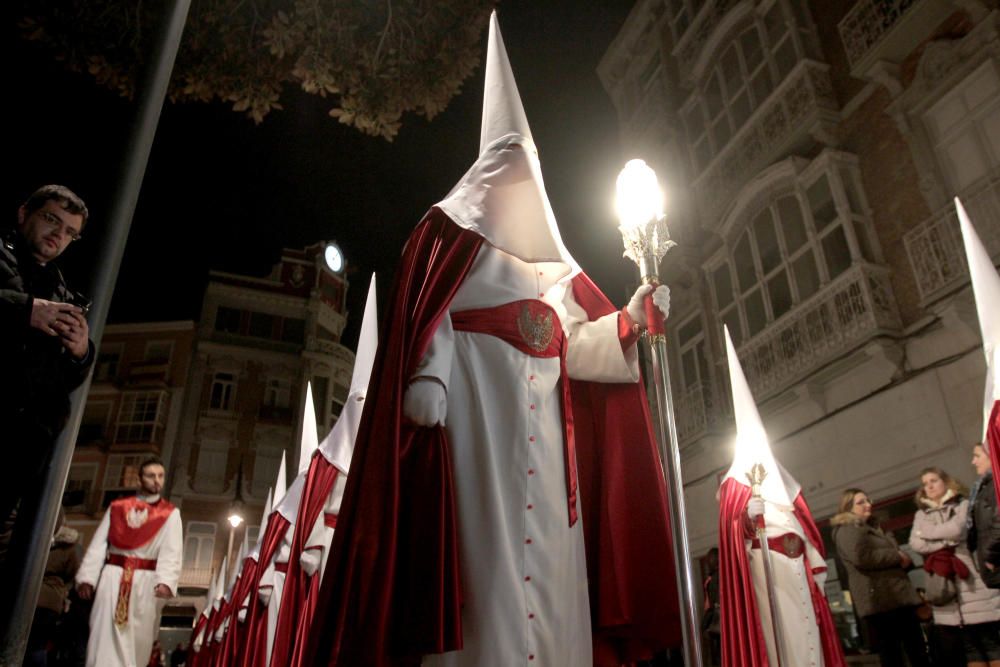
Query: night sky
x=222 y=193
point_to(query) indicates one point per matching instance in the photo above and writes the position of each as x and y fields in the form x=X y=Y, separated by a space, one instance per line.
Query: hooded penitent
x=320 y=505
x=394 y=586
x=986 y=287
x=796 y=553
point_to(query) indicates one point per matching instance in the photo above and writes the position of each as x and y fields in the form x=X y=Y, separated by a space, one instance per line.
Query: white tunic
x=524 y=574
x=802 y=641
x=130 y=646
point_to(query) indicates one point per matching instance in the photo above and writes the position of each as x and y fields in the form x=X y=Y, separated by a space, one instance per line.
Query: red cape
x=298 y=602
x=253 y=651
x=743 y=643
x=125 y=537
x=387 y=597
x=993 y=446
x=194 y=657
x=235 y=633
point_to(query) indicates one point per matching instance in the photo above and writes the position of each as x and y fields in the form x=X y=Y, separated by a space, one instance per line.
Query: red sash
x=134 y=522
x=129 y=565
x=789 y=544
x=532 y=327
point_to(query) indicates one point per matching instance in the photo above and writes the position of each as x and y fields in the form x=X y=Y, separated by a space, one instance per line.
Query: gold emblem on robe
x=536 y=329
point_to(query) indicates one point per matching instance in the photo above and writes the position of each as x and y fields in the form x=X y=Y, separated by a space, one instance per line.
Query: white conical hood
x=281 y=483
x=752 y=446
x=288 y=507
x=338 y=447
x=255 y=551
x=986 y=288
x=310 y=434
x=502 y=197
x=503 y=112
x=220 y=583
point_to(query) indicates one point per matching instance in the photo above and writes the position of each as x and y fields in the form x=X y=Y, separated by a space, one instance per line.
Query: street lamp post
x=644 y=232
x=235 y=518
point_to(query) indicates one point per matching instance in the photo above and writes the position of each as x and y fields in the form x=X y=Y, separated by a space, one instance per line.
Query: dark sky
x=222 y=193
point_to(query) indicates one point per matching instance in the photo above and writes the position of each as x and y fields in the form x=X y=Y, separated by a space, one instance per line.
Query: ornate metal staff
x=644 y=233
x=756 y=477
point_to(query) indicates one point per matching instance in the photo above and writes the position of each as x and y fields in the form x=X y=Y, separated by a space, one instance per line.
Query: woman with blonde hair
x=939 y=533
x=883 y=596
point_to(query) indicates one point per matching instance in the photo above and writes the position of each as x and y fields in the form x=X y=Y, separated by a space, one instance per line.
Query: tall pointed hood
x=255 y=551
x=288 y=507
x=986 y=287
x=752 y=446
x=502 y=197
x=281 y=483
x=310 y=434
x=220 y=584
x=338 y=447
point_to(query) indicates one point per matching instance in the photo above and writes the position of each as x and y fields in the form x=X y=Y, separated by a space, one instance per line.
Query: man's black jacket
x=38 y=372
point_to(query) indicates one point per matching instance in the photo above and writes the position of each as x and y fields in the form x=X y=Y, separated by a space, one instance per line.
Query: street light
x=235 y=517
x=639 y=203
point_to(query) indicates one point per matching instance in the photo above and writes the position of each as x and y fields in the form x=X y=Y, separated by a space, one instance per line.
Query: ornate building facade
x=810 y=152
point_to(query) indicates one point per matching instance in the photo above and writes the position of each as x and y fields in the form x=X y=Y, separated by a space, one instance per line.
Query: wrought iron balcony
x=852 y=309
x=697 y=412
x=934 y=247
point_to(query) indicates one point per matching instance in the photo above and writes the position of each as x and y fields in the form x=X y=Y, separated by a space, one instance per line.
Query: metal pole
x=229 y=552
x=37 y=515
x=667 y=427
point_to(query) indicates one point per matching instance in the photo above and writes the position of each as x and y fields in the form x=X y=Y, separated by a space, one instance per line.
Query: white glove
x=425 y=402
x=636 y=310
x=755 y=507
x=310 y=561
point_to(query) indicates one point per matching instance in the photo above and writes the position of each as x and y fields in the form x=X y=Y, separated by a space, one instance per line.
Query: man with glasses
x=44 y=338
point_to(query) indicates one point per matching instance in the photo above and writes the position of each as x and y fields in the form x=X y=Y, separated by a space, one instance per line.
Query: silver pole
x=671 y=460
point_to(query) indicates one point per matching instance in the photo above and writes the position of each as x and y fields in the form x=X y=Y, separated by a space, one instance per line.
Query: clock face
x=334 y=258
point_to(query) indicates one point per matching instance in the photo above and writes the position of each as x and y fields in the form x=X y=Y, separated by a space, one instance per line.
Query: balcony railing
x=876 y=30
x=934 y=247
x=850 y=310
x=195 y=577
x=697 y=412
x=790 y=114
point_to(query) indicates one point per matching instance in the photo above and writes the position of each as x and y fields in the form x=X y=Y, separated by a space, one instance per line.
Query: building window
x=141 y=416
x=801 y=240
x=121 y=477
x=223 y=388
x=265 y=468
x=79 y=486
x=262 y=325
x=964 y=127
x=756 y=60
x=227 y=320
x=158 y=352
x=278 y=393
x=106 y=368
x=680 y=14
x=96 y=419
x=199 y=545
x=293 y=330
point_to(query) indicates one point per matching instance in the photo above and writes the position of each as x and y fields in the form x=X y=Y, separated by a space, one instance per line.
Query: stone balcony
x=889 y=30
x=800 y=110
x=855 y=307
x=934 y=247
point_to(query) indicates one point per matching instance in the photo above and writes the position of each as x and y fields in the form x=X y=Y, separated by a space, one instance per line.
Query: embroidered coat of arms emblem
x=793 y=545
x=136 y=517
x=536 y=329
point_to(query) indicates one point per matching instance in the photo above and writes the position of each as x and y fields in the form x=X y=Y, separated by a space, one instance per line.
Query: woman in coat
x=883 y=595
x=966 y=627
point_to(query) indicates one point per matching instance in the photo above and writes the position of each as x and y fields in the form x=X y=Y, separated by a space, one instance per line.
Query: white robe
x=802 y=641
x=524 y=573
x=130 y=646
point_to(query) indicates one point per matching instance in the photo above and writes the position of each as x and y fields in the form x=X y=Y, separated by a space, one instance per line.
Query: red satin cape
x=124 y=537
x=993 y=446
x=743 y=643
x=391 y=591
x=253 y=652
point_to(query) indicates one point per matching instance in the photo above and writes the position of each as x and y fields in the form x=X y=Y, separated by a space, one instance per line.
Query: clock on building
x=334 y=257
